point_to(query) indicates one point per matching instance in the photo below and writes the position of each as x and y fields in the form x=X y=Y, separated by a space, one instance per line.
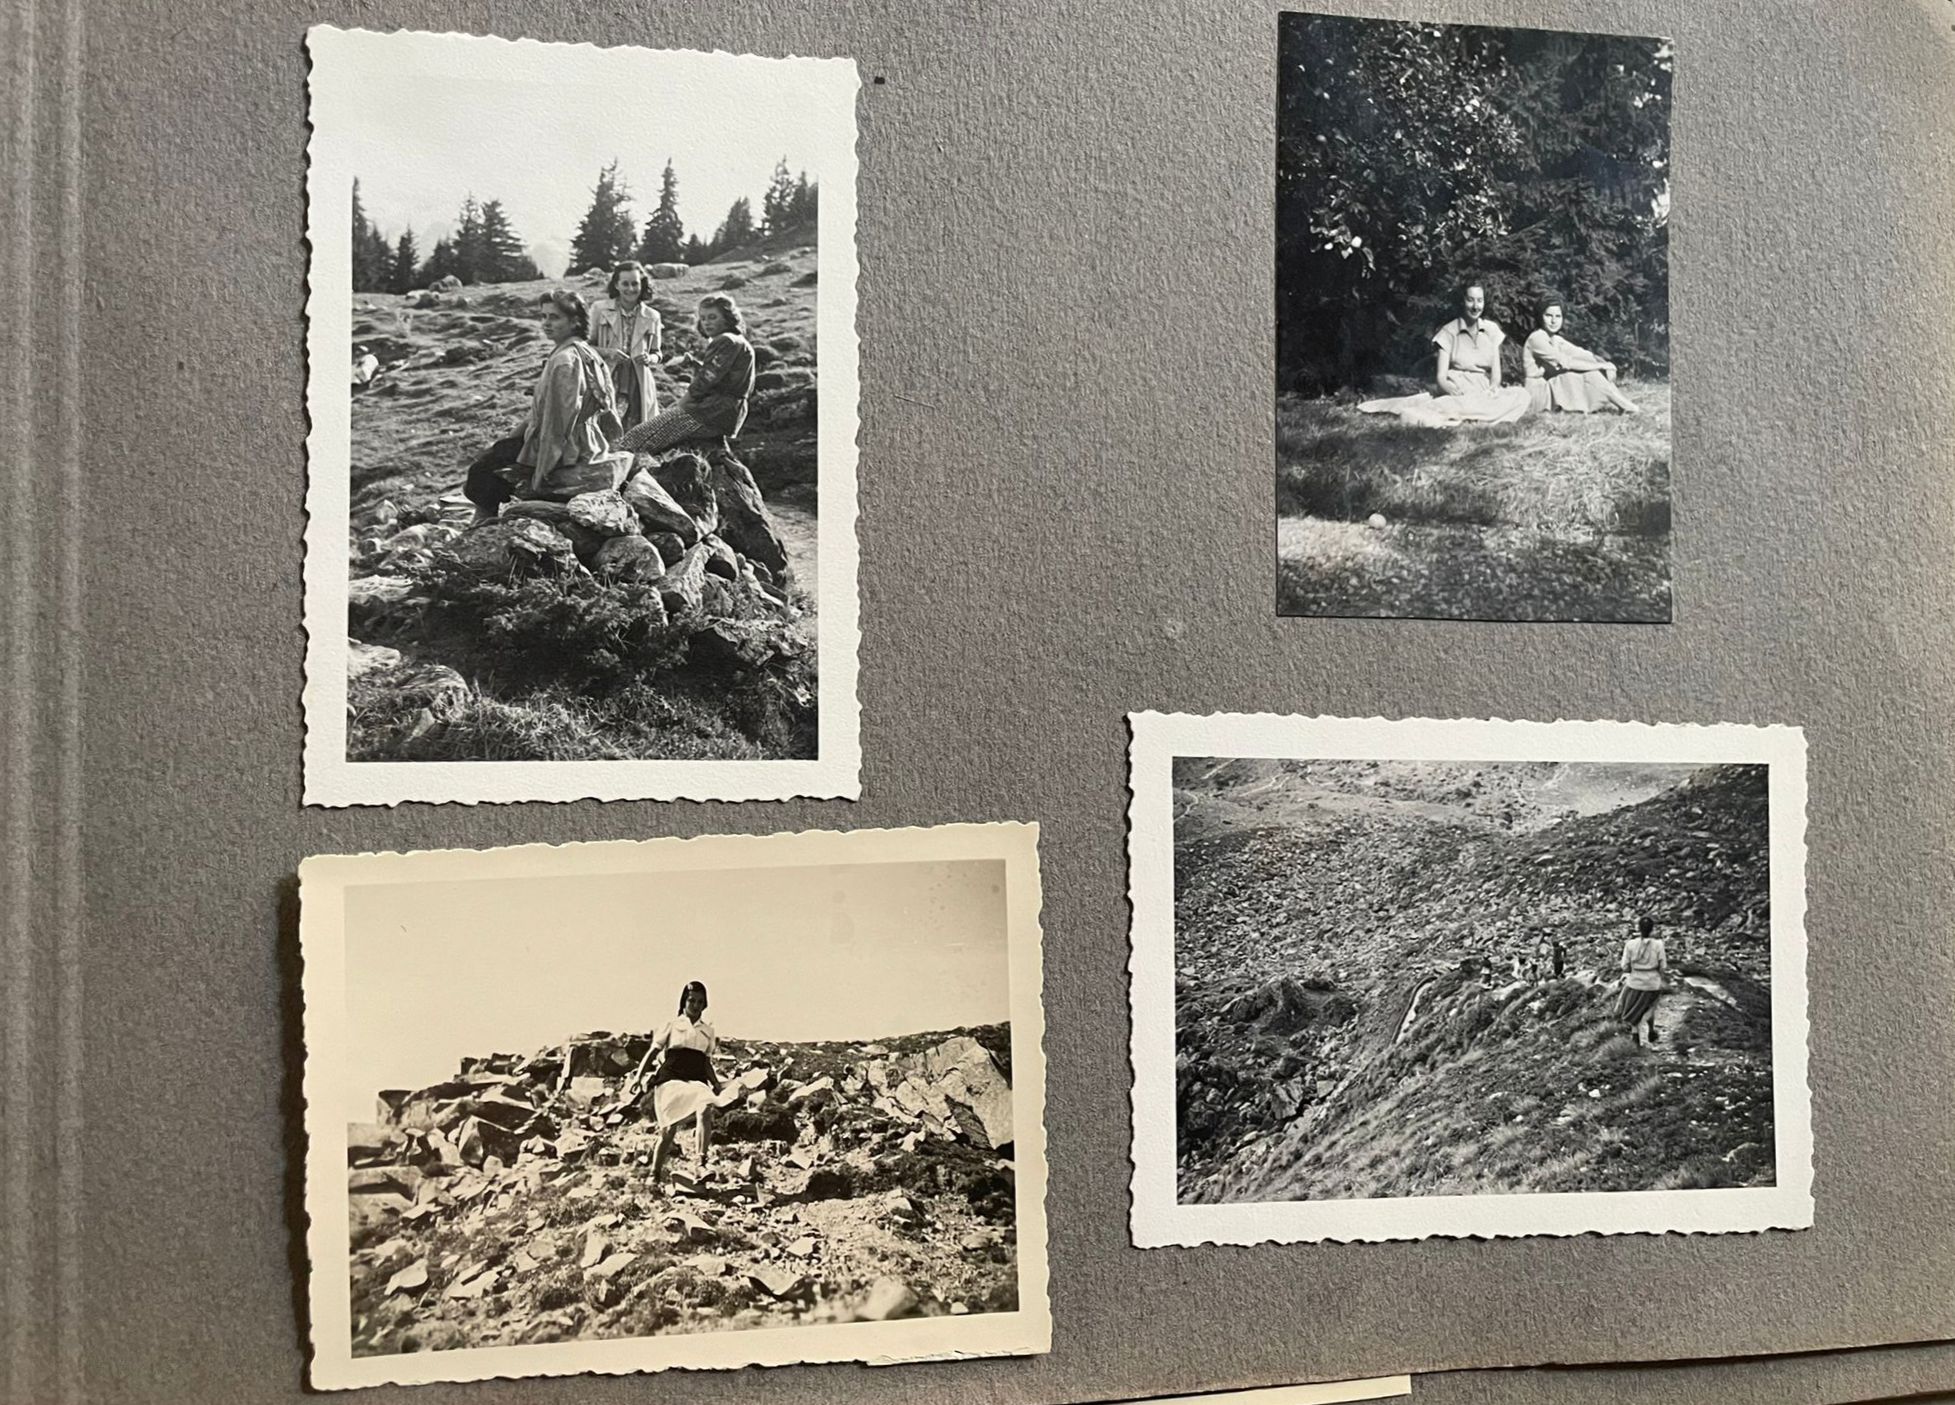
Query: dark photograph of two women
x=1472 y=322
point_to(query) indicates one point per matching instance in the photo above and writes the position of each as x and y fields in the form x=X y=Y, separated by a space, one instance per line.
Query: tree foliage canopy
x=1415 y=158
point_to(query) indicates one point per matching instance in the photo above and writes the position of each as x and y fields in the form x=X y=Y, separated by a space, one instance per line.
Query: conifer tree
x=777 y=205
x=503 y=257
x=664 y=240
x=401 y=280
x=696 y=250
x=736 y=230
x=441 y=262
x=606 y=234
x=372 y=260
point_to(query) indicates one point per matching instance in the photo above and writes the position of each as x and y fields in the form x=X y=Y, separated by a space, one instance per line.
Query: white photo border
x=323 y=884
x=1159 y=1220
x=826 y=90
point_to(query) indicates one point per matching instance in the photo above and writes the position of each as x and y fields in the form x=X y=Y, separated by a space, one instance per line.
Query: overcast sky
x=433 y=119
x=436 y=971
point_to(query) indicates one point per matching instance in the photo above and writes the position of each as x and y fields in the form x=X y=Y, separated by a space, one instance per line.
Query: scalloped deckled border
x=825 y=91
x=1158 y=1220
x=323 y=882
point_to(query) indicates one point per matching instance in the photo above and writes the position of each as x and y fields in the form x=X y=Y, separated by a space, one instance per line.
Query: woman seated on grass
x=627 y=332
x=714 y=406
x=1468 y=377
x=1562 y=376
x=685 y=1084
x=565 y=428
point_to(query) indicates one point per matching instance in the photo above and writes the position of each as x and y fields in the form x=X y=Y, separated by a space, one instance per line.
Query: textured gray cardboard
x=1066 y=496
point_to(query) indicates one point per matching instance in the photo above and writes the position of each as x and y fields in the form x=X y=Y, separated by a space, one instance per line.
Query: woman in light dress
x=568 y=414
x=714 y=407
x=685 y=1085
x=1645 y=965
x=1563 y=376
x=628 y=333
x=1468 y=376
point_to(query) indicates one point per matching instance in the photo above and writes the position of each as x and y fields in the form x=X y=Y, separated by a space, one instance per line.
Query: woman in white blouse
x=628 y=332
x=685 y=1084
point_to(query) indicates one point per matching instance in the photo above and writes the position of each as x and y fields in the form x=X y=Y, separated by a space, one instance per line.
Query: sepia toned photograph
x=582 y=382
x=1398 y=979
x=729 y=1101
x=1472 y=322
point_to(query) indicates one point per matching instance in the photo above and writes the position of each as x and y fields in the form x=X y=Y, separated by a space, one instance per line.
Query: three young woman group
x=1559 y=375
x=596 y=396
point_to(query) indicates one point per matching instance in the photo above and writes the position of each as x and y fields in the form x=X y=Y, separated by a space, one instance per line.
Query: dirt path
x=798 y=534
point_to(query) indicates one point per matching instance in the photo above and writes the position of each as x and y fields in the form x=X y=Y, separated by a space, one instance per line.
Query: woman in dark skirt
x=685 y=1084
x=1644 y=966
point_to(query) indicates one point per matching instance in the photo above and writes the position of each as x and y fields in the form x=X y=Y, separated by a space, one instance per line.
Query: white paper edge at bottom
x=1158 y=1220
x=1320 y=1393
x=323 y=883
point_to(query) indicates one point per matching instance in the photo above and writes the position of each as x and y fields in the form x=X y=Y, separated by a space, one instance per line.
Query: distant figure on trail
x=629 y=334
x=1560 y=958
x=1468 y=376
x=573 y=410
x=1562 y=376
x=685 y=1083
x=1645 y=965
x=714 y=406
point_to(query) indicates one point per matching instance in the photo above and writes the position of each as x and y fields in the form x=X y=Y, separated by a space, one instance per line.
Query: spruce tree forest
x=484 y=245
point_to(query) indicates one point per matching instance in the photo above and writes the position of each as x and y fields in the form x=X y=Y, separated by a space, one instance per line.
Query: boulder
x=980 y=1085
x=669 y=544
x=605 y=513
x=556 y=516
x=668 y=270
x=683 y=586
x=658 y=513
x=721 y=560
x=375 y=601
x=370 y=1144
x=689 y=481
x=516 y=545
x=743 y=515
x=720 y=600
x=362 y=659
x=628 y=559
x=889 y=1298
x=447 y=283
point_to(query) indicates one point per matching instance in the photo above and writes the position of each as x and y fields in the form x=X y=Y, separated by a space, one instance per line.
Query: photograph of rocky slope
x=1403 y=978
x=713 y=1102
x=672 y=616
x=849 y=1182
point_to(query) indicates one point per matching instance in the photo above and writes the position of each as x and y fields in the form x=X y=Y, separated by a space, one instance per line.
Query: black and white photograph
x=582 y=368
x=1397 y=979
x=1472 y=322
x=737 y=1100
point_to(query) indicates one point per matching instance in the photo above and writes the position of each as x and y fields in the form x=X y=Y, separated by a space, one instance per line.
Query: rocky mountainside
x=668 y=615
x=848 y=1182
x=1356 y=1011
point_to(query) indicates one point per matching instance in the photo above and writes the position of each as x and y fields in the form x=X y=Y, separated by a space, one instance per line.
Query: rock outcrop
x=510 y=1203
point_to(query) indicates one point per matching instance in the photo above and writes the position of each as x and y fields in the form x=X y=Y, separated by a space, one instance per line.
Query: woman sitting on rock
x=685 y=1083
x=1562 y=376
x=572 y=407
x=627 y=332
x=714 y=406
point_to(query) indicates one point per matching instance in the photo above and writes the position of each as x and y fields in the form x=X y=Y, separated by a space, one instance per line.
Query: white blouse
x=682 y=1033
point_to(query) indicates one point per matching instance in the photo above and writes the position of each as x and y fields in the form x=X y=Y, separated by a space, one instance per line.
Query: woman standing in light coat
x=628 y=333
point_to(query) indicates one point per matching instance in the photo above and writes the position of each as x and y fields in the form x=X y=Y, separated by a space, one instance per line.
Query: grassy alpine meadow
x=1553 y=517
